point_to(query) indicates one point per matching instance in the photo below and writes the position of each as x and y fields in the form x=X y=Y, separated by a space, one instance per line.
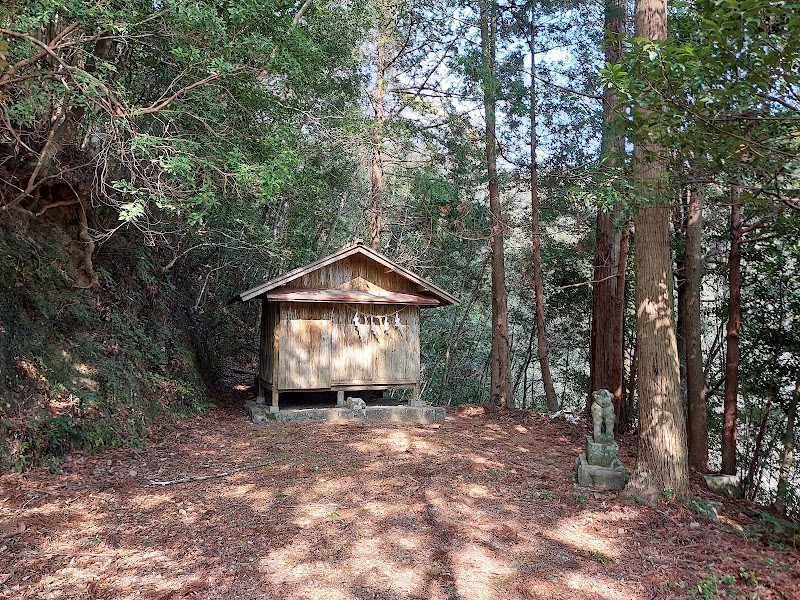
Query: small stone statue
x=600 y=465
x=358 y=406
x=603 y=416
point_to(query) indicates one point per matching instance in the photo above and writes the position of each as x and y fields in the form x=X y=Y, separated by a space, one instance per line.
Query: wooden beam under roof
x=348 y=297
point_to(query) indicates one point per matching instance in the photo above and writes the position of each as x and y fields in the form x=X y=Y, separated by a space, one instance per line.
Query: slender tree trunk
x=695 y=379
x=787 y=455
x=376 y=163
x=623 y=420
x=524 y=369
x=500 y=390
x=630 y=402
x=605 y=358
x=662 y=467
x=750 y=481
x=732 y=337
x=536 y=237
x=679 y=223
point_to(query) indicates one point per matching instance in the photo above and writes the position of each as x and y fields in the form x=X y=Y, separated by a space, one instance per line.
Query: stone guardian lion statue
x=603 y=416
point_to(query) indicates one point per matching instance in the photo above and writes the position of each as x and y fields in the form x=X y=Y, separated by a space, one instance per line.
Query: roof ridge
x=357 y=246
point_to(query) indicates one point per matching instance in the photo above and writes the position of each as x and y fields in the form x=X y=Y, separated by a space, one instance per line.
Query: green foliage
x=718 y=92
x=86 y=371
x=778 y=533
x=706 y=588
x=601 y=557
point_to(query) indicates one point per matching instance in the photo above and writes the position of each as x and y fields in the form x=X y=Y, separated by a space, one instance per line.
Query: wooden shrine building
x=349 y=321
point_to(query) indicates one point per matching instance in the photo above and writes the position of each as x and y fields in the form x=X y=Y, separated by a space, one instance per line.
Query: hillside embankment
x=89 y=357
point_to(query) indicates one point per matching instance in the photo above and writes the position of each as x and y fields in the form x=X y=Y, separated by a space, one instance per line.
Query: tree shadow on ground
x=482 y=507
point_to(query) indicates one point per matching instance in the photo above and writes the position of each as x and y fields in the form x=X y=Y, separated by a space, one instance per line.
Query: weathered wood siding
x=368 y=357
x=269 y=318
x=321 y=348
x=355 y=272
x=305 y=351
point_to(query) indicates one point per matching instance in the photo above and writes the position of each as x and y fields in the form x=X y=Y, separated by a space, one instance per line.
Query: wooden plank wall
x=305 y=353
x=269 y=317
x=355 y=272
x=321 y=347
x=364 y=356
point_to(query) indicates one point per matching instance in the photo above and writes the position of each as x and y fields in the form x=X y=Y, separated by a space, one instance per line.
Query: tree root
x=88 y=265
x=194 y=478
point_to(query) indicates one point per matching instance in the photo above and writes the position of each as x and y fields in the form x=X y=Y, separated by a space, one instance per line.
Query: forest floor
x=482 y=506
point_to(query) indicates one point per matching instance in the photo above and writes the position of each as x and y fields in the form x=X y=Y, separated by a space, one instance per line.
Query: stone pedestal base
x=606 y=478
x=602 y=454
x=725 y=485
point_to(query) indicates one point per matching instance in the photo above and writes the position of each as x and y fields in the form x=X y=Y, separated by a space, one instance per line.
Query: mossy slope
x=82 y=368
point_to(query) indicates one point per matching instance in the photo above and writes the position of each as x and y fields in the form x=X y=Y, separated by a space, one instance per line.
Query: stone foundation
x=606 y=478
x=259 y=413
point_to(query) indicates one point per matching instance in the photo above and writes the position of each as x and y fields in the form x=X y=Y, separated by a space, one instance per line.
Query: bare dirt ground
x=482 y=507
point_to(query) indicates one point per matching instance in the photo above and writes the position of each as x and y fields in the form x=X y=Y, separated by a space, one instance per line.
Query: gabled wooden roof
x=438 y=293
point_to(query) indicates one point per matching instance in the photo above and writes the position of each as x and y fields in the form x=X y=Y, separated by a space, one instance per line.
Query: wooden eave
x=348 y=297
x=439 y=296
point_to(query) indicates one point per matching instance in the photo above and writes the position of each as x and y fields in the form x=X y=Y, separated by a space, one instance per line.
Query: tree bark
x=679 y=223
x=695 y=379
x=605 y=362
x=662 y=468
x=86 y=238
x=787 y=455
x=500 y=389
x=621 y=409
x=630 y=402
x=536 y=238
x=733 y=328
x=376 y=162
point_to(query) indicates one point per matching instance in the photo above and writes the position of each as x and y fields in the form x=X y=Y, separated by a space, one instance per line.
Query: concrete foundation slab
x=605 y=478
x=260 y=413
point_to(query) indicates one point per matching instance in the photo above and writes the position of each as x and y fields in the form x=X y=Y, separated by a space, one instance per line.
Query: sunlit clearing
x=280 y=559
x=474 y=570
x=477 y=491
x=579 y=536
x=398 y=441
x=325 y=593
x=597 y=585
x=151 y=501
x=480 y=460
x=496 y=428
x=241 y=490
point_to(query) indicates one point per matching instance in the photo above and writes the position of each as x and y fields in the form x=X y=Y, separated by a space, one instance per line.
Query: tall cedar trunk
x=605 y=360
x=376 y=164
x=500 y=390
x=751 y=483
x=732 y=337
x=679 y=221
x=662 y=468
x=536 y=237
x=787 y=455
x=697 y=426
